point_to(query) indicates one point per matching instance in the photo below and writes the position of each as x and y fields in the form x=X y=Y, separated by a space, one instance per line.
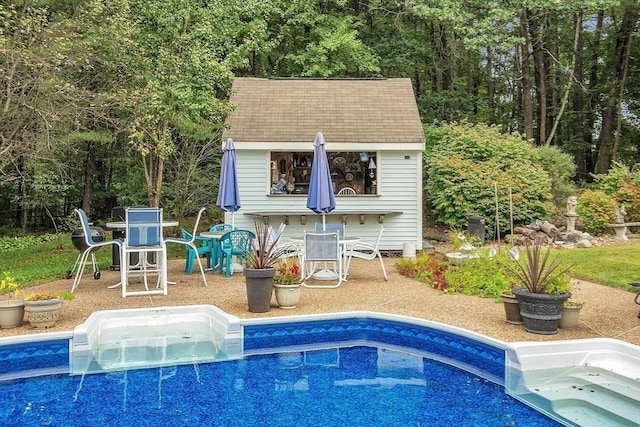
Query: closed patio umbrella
x=228 y=194
x=320 y=198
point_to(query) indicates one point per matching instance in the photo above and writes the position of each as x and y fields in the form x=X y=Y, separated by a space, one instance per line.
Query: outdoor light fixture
x=372 y=168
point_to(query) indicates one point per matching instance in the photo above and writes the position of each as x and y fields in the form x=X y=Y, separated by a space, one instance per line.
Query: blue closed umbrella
x=320 y=198
x=228 y=194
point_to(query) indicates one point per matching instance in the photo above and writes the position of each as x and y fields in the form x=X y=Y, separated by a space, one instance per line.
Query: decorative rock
x=584 y=243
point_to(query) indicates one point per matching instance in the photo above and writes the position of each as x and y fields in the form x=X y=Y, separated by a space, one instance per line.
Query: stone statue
x=620 y=213
x=572 y=202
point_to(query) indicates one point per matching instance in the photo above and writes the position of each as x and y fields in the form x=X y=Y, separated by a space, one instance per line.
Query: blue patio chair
x=234 y=243
x=202 y=249
x=144 y=236
x=193 y=252
x=331 y=227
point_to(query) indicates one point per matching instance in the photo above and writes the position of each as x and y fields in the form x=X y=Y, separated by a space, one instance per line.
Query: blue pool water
x=355 y=371
x=358 y=386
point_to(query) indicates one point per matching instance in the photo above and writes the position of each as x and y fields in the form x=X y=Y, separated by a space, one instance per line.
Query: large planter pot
x=11 y=313
x=540 y=312
x=511 y=309
x=287 y=296
x=259 y=289
x=43 y=314
x=570 y=317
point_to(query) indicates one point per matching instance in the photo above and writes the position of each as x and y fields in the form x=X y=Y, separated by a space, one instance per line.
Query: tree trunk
x=613 y=99
x=578 y=143
x=527 y=102
x=89 y=170
x=592 y=102
x=535 y=32
x=490 y=85
x=570 y=78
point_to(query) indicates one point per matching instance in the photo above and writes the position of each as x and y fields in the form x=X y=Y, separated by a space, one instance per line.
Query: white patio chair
x=347 y=191
x=92 y=246
x=190 y=244
x=144 y=236
x=366 y=251
x=321 y=247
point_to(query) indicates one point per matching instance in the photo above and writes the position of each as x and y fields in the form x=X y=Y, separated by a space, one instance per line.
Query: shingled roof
x=344 y=110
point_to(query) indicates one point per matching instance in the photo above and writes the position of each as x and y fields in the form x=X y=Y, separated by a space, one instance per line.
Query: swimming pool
x=355 y=368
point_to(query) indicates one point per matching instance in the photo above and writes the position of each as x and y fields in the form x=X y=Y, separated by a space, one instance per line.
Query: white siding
x=399 y=189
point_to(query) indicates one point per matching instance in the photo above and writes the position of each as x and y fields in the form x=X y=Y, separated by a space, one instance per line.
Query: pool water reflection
x=359 y=385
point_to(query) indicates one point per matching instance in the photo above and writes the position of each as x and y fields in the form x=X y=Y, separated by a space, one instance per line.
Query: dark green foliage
x=561 y=169
x=464 y=164
x=539 y=273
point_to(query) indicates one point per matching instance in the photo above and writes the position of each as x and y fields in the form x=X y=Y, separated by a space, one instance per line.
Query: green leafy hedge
x=465 y=165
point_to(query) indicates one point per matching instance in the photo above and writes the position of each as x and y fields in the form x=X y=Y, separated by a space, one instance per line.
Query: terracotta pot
x=511 y=309
x=287 y=296
x=259 y=285
x=11 y=313
x=43 y=314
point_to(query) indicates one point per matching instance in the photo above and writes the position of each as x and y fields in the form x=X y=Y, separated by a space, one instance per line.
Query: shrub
x=463 y=166
x=478 y=276
x=428 y=267
x=596 y=209
x=624 y=186
x=561 y=168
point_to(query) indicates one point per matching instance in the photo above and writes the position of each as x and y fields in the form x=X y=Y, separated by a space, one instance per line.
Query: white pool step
x=125 y=339
x=579 y=383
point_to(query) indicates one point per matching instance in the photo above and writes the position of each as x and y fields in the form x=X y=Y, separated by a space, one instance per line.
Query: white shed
x=374 y=143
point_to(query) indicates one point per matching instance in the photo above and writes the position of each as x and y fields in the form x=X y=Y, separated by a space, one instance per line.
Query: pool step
x=591 y=382
x=587 y=396
x=126 y=339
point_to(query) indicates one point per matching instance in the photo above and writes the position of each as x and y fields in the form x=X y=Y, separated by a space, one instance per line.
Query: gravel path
x=608 y=312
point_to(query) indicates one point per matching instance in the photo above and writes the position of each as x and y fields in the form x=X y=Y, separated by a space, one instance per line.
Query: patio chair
x=92 y=246
x=332 y=226
x=193 y=252
x=368 y=251
x=144 y=237
x=347 y=191
x=234 y=243
x=321 y=247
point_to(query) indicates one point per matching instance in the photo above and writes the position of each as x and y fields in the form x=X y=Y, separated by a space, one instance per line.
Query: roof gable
x=344 y=110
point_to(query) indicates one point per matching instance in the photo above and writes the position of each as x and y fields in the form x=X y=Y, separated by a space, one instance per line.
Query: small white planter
x=287 y=296
x=43 y=314
x=11 y=313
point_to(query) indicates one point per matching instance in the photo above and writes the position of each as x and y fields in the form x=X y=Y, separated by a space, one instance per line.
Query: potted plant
x=259 y=269
x=43 y=308
x=570 y=317
x=286 y=283
x=11 y=310
x=511 y=307
x=544 y=289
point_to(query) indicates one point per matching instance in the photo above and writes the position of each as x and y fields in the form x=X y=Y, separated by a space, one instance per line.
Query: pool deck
x=608 y=312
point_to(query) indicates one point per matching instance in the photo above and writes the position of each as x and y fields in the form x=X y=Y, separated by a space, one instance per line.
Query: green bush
x=624 y=186
x=481 y=276
x=465 y=164
x=596 y=209
x=561 y=168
